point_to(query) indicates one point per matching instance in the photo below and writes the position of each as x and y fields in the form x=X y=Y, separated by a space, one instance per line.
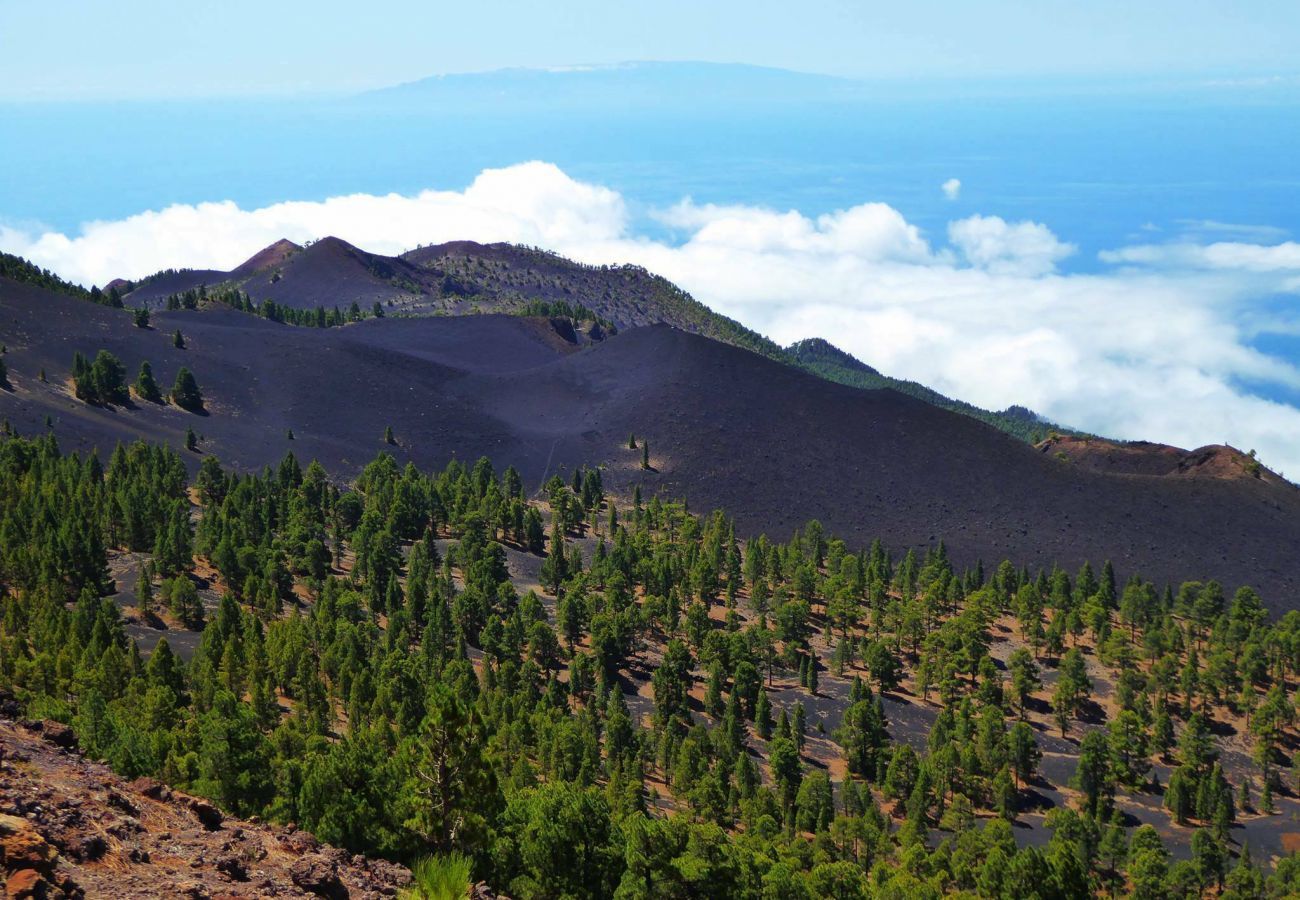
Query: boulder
x=58 y=734
x=315 y=875
x=232 y=867
x=22 y=847
x=91 y=847
x=151 y=788
x=26 y=883
x=208 y=815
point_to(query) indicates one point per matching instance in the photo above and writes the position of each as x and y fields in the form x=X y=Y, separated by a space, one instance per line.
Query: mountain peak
x=813 y=351
x=272 y=255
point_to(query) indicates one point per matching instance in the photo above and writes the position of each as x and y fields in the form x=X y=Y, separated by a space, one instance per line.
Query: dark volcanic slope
x=729 y=428
x=463 y=277
x=329 y=272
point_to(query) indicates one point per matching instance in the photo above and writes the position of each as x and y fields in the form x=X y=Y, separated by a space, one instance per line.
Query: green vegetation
x=1252 y=465
x=440 y=878
x=102 y=382
x=146 y=388
x=560 y=309
x=18 y=269
x=317 y=317
x=827 y=361
x=185 y=392
x=368 y=670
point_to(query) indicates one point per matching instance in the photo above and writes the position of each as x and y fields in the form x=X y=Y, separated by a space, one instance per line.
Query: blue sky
x=153 y=48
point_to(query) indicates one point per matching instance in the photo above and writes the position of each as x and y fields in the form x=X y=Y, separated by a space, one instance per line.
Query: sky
x=135 y=49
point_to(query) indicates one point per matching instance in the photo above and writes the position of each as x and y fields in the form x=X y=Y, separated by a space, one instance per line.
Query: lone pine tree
x=186 y=393
x=146 y=388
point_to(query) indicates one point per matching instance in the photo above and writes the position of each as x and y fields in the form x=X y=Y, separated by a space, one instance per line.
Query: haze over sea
x=1101 y=164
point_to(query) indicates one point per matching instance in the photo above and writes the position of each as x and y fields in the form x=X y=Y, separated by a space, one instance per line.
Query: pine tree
x=103 y=381
x=534 y=530
x=141 y=316
x=555 y=568
x=631 y=441
x=763 y=715
x=4 y=373
x=388 y=436
x=186 y=393
x=144 y=594
x=145 y=386
x=713 y=693
x=645 y=454
x=184 y=602
x=191 y=440
x=178 y=340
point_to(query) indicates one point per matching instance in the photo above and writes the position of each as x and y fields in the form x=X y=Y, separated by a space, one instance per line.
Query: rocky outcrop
x=70 y=828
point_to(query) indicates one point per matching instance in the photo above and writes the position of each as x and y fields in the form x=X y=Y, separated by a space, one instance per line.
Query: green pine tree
x=146 y=388
x=763 y=715
x=186 y=393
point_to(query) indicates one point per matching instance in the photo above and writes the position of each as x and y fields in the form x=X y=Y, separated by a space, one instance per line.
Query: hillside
x=824 y=359
x=492 y=617
x=70 y=827
x=464 y=277
x=726 y=428
x=641 y=705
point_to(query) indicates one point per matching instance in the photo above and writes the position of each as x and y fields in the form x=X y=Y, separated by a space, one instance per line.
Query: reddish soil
x=75 y=829
x=1156 y=460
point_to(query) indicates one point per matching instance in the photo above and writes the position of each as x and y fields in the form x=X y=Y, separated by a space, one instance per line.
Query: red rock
x=21 y=847
x=317 y=876
x=152 y=788
x=26 y=883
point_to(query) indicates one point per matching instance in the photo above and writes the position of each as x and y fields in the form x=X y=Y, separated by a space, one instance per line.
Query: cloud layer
x=1156 y=346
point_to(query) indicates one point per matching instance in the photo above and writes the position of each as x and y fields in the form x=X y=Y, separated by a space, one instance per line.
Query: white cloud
x=951 y=188
x=1246 y=257
x=1019 y=248
x=533 y=203
x=1156 y=347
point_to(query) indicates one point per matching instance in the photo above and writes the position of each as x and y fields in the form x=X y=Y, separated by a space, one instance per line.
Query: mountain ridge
x=460 y=277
